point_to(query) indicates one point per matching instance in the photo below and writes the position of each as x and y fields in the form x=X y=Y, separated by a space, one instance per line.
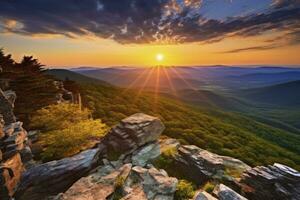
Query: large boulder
x=134 y=140
x=56 y=176
x=201 y=165
x=126 y=182
x=275 y=182
x=130 y=134
x=225 y=193
x=13 y=144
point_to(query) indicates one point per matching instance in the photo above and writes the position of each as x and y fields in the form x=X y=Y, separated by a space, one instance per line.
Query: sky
x=70 y=33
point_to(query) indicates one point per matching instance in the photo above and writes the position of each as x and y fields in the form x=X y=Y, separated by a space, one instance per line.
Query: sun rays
x=157 y=80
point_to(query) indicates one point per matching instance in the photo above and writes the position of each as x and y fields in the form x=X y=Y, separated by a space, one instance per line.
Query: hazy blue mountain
x=286 y=94
x=205 y=77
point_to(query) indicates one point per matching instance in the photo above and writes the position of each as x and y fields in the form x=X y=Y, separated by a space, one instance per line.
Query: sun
x=159 y=57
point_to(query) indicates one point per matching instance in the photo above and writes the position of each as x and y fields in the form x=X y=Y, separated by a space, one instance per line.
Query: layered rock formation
x=200 y=165
x=130 y=134
x=56 y=176
x=119 y=167
x=134 y=140
x=127 y=182
x=14 y=149
x=272 y=182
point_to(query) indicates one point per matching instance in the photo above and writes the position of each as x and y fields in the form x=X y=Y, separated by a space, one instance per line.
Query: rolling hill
x=286 y=94
x=63 y=74
x=205 y=77
x=221 y=132
x=210 y=99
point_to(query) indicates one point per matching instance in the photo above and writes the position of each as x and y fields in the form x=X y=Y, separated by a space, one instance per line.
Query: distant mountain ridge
x=224 y=77
x=286 y=94
x=63 y=74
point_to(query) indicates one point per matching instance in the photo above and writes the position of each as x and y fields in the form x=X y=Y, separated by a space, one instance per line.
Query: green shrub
x=184 y=190
x=58 y=116
x=66 y=130
x=209 y=187
x=166 y=160
x=71 y=140
x=119 y=184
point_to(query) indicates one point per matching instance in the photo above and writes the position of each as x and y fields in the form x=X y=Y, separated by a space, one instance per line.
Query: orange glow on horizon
x=64 y=52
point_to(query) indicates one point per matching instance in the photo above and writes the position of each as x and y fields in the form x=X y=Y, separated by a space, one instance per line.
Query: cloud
x=254 y=48
x=142 y=21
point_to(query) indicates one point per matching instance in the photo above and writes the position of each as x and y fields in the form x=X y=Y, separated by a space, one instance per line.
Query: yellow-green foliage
x=171 y=152
x=184 y=190
x=224 y=133
x=209 y=187
x=166 y=161
x=58 y=116
x=119 y=183
x=70 y=131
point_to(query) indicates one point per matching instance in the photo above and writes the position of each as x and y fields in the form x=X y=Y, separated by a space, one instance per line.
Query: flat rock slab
x=56 y=176
x=126 y=182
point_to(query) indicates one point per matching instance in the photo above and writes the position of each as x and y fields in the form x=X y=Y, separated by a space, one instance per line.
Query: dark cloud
x=142 y=21
x=255 y=48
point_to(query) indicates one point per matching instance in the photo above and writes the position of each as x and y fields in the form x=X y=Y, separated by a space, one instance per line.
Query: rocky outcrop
x=204 y=165
x=200 y=165
x=272 y=182
x=130 y=134
x=65 y=95
x=14 y=154
x=56 y=176
x=15 y=141
x=128 y=182
x=119 y=168
x=14 y=149
x=134 y=140
x=225 y=193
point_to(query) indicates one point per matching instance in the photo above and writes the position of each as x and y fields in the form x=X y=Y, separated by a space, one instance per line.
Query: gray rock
x=130 y=134
x=146 y=153
x=225 y=193
x=201 y=165
x=203 y=196
x=272 y=182
x=56 y=176
x=123 y=183
x=12 y=149
x=154 y=182
x=26 y=154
